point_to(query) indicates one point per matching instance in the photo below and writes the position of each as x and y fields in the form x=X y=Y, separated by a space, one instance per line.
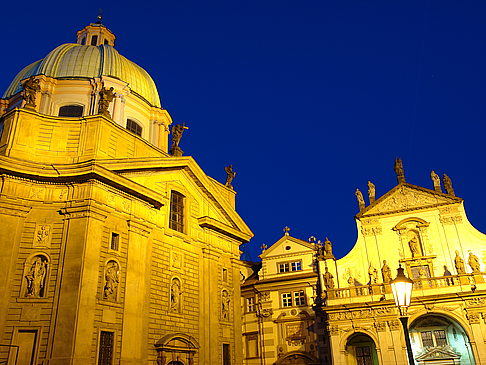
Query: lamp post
x=402 y=292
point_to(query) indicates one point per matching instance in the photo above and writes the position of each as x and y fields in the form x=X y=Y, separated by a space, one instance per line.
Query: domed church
x=116 y=248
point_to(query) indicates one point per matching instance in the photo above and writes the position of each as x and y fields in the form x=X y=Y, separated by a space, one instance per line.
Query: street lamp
x=402 y=292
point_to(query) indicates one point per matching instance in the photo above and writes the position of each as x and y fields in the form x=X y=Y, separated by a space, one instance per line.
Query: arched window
x=73 y=111
x=134 y=127
x=176 y=216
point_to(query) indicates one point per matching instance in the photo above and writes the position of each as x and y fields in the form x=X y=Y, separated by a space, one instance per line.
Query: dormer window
x=72 y=111
x=290 y=266
x=134 y=127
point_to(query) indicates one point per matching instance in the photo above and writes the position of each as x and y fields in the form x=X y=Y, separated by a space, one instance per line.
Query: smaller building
x=279 y=325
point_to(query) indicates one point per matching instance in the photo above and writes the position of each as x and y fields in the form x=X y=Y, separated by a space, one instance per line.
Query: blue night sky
x=308 y=100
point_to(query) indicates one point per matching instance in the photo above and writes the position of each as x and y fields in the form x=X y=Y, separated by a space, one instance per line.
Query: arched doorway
x=361 y=350
x=296 y=358
x=176 y=349
x=438 y=339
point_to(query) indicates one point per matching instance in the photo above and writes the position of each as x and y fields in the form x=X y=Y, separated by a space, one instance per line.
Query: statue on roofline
x=106 y=97
x=448 y=185
x=30 y=89
x=177 y=131
x=230 y=175
x=399 y=170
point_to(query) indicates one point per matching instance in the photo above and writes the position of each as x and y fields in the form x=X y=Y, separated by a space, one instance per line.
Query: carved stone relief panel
x=176 y=259
x=295 y=333
x=42 y=235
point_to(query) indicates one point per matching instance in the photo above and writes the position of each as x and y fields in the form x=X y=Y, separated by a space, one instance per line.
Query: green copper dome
x=82 y=61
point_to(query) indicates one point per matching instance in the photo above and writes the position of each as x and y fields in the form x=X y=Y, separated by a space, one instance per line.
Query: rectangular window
x=299 y=297
x=250 y=304
x=296 y=266
x=94 y=40
x=286 y=299
x=226 y=354
x=115 y=241
x=427 y=340
x=176 y=218
x=251 y=345
x=105 y=354
x=363 y=355
x=440 y=338
x=225 y=275
x=290 y=266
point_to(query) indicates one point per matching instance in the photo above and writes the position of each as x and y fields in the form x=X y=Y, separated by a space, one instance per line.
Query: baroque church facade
x=355 y=319
x=116 y=248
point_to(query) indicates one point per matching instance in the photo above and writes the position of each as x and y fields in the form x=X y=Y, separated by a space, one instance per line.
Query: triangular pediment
x=438 y=353
x=406 y=197
x=279 y=247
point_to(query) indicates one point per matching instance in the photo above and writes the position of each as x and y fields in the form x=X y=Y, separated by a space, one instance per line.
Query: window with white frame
x=299 y=297
x=286 y=299
x=250 y=304
x=294 y=298
x=289 y=266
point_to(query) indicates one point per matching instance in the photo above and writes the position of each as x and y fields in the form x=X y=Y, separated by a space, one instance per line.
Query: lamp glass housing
x=402 y=290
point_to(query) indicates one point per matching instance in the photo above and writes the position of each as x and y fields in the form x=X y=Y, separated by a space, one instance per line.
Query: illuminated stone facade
x=427 y=232
x=279 y=325
x=113 y=251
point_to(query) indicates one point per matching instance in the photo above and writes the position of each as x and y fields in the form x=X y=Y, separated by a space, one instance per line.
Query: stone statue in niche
x=328 y=279
x=448 y=185
x=371 y=192
x=225 y=305
x=386 y=273
x=361 y=202
x=436 y=181
x=473 y=261
x=36 y=277
x=112 y=273
x=459 y=264
x=415 y=248
x=30 y=89
x=175 y=296
x=106 y=97
x=230 y=175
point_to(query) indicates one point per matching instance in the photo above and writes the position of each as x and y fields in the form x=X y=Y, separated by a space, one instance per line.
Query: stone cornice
x=213 y=224
x=8 y=208
x=84 y=211
x=78 y=173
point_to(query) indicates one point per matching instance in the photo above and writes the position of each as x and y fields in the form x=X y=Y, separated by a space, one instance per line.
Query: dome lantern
x=95 y=34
